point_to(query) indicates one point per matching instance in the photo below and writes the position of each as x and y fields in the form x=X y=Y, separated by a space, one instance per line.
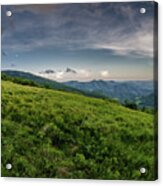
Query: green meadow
x=51 y=133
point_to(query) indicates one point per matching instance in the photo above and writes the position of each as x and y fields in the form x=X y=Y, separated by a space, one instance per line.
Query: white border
x=61 y=182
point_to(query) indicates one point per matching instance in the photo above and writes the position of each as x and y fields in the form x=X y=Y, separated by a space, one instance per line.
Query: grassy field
x=48 y=133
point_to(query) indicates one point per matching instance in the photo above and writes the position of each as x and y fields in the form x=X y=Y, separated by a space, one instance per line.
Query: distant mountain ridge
x=139 y=92
x=121 y=90
x=46 y=83
x=38 y=79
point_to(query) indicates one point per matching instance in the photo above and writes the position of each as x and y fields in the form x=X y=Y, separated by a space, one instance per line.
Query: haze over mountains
x=141 y=92
x=122 y=90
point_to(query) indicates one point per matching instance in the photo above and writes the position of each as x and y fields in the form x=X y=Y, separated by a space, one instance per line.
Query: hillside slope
x=27 y=78
x=47 y=133
x=40 y=80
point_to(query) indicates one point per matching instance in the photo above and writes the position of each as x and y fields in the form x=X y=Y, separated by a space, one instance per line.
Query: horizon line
x=93 y=79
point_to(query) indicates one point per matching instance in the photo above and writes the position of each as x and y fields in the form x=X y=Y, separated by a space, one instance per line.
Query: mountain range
x=140 y=92
x=40 y=80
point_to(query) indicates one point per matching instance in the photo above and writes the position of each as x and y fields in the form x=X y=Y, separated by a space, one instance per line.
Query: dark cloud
x=69 y=70
x=116 y=27
x=34 y=8
x=49 y=71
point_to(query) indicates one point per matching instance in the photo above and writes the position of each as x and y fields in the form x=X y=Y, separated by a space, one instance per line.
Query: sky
x=108 y=41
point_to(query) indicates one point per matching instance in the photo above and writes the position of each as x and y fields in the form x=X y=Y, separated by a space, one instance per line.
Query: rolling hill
x=50 y=133
x=40 y=80
x=139 y=92
x=29 y=78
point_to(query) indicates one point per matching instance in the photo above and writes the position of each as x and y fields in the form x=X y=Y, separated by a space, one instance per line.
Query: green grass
x=48 y=133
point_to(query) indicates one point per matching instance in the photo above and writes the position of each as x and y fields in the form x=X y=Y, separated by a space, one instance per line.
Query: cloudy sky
x=80 y=41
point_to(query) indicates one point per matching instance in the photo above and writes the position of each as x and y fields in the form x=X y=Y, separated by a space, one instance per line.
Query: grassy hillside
x=48 y=133
x=26 y=78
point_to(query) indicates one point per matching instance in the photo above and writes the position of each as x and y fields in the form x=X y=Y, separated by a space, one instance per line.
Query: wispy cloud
x=99 y=40
x=118 y=28
x=137 y=44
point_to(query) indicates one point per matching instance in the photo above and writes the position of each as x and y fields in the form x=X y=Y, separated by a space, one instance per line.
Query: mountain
x=139 y=92
x=121 y=90
x=33 y=80
x=148 y=100
x=40 y=80
x=58 y=134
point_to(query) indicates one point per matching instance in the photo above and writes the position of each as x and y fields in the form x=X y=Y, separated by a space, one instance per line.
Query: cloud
x=139 y=44
x=114 y=27
x=59 y=75
x=66 y=75
x=85 y=73
x=49 y=71
x=35 y=8
x=69 y=70
x=80 y=75
x=104 y=73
